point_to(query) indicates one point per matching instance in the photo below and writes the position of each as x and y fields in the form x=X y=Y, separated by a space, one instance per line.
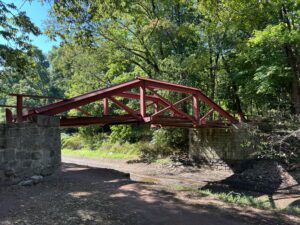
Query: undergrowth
x=103 y=147
x=240 y=199
x=116 y=150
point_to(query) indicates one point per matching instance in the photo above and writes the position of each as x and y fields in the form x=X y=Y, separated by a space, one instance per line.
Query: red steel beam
x=156 y=107
x=203 y=118
x=168 y=86
x=84 y=111
x=105 y=106
x=122 y=91
x=196 y=108
x=174 y=109
x=142 y=99
x=132 y=95
x=137 y=96
x=121 y=119
x=216 y=107
x=19 y=108
x=8 y=116
x=78 y=121
x=84 y=99
x=172 y=105
x=189 y=90
x=125 y=107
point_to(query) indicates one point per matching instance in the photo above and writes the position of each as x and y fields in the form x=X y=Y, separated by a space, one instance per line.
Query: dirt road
x=81 y=195
x=157 y=173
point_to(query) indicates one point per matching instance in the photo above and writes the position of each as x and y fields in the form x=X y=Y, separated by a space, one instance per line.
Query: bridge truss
x=151 y=107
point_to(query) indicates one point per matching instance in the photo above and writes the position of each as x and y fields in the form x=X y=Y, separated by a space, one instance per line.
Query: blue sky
x=38 y=14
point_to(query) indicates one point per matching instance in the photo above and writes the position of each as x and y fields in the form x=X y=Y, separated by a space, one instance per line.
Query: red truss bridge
x=150 y=108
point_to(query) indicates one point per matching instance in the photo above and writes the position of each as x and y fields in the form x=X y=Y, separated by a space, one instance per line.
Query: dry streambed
x=83 y=195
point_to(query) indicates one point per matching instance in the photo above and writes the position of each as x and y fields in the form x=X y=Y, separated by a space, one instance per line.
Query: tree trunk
x=295 y=92
x=294 y=62
x=236 y=100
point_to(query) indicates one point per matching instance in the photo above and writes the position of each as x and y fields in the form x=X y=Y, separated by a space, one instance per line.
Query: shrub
x=165 y=142
x=130 y=133
x=72 y=141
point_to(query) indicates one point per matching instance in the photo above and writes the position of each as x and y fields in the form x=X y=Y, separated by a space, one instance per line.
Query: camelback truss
x=151 y=107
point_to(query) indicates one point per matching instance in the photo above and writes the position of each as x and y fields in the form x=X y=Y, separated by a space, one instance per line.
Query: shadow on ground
x=82 y=195
x=267 y=180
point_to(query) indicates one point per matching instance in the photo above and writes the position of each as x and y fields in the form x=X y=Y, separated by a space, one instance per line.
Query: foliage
x=276 y=138
x=240 y=198
x=237 y=198
x=15 y=47
x=71 y=142
x=115 y=151
x=243 y=54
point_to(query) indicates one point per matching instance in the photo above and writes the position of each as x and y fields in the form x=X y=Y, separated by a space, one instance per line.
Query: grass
x=113 y=151
x=164 y=161
x=75 y=145
x=292 y=210
x=240 y=199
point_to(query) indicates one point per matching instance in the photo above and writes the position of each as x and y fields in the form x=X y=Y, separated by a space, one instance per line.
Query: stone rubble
x=31 y=181
x=263 y=176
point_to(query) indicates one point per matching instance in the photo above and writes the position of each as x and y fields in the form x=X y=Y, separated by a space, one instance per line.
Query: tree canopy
x=244 y=54
x=15 y=47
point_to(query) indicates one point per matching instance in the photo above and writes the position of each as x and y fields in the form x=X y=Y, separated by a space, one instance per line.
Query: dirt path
x=172 y=176
x=81 y=195
x=154 y=173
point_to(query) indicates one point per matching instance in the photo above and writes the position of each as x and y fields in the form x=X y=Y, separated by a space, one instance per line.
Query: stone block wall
x=29 y=148
x=220 y=148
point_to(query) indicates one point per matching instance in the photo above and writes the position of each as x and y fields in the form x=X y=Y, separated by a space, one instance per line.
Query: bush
x=174 y=138
x=130 y=133
x=93 y=136
x=74 y=142
x=165 y=142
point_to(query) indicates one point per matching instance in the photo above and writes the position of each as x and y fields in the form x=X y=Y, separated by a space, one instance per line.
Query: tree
x=278 y=42
x=15 y=29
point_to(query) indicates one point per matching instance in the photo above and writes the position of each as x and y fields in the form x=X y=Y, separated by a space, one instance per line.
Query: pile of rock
x=262 y=176
x=31 y=180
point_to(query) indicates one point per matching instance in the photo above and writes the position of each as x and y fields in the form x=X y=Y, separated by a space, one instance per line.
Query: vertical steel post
x=19 y=108
x=155 y=106
x=105 y=106
x=142 y=99
x=9 y=116
x=196 y=108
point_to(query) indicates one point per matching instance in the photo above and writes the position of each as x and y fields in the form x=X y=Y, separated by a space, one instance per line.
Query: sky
x=38 y=14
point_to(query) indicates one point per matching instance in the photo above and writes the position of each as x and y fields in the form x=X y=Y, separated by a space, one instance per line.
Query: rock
x=47 y=171
x=263 y=176
x=36 y=179
x=36 y=155
x=177 y=164
x=26 y=183
x=10 y=173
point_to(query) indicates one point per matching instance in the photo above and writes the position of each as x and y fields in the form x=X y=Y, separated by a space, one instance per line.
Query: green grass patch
x=295 y=210
x=164 y=161
x=115 y=151
x=240 y=199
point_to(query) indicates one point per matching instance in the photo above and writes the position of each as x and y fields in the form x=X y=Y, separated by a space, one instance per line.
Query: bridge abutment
x=30 y=148
x=221 y=149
